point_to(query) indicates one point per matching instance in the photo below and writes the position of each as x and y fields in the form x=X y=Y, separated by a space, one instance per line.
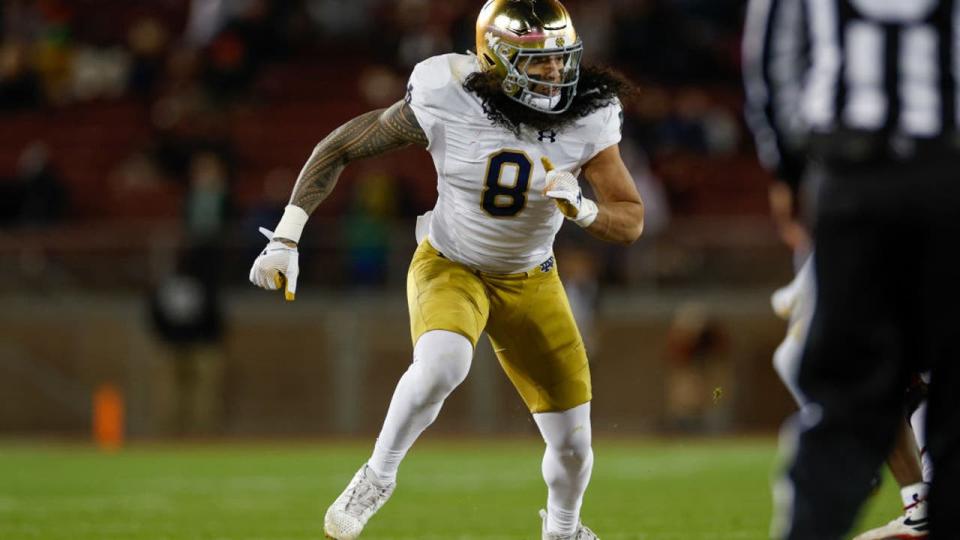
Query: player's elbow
x=631 y=235
x=634 y=230
x=637 y=232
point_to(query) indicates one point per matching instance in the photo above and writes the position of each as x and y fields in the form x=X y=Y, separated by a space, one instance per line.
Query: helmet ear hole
x=490 y=61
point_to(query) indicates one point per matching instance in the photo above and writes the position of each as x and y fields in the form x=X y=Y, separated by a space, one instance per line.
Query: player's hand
x=278 y=266
x=564 y=189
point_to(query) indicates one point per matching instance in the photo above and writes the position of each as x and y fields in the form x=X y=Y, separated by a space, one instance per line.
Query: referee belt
x=852 y=146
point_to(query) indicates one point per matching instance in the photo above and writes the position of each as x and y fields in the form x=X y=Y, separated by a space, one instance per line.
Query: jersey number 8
x=502 y=200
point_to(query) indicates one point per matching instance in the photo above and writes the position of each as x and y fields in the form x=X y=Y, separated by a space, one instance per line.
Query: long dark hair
x=598 y=88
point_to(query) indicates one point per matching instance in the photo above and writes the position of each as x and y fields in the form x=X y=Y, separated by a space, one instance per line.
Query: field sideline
x=449 y=490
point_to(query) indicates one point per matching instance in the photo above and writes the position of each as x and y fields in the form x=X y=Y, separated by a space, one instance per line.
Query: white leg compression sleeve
x=918 y=421
x=567 y=464
x=441 y=361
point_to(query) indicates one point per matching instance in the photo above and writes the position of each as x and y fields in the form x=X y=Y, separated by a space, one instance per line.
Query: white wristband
x=291 y=224
x=588 y=213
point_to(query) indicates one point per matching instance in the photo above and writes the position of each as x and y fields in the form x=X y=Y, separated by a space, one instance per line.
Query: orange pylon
x=108 y=417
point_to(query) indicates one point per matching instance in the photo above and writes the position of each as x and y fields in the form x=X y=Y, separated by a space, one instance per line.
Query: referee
x=859 y=98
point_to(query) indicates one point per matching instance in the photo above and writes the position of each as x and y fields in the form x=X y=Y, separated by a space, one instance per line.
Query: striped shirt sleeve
x=775 y=63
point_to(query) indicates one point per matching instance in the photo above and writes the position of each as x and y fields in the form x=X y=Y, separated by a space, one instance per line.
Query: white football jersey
x=491 y=213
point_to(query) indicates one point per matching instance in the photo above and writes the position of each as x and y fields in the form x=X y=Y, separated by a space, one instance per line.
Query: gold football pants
x=526 y=315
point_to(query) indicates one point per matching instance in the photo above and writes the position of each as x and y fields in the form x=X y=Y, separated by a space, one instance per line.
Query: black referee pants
x=887 y=239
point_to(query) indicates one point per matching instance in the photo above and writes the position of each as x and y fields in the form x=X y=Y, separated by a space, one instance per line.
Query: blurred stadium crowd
x=143 y=143
x=130 y=127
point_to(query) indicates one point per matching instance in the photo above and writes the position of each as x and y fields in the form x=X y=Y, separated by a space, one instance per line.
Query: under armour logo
x=409 y=95
x=547 y=134
x=546 y=265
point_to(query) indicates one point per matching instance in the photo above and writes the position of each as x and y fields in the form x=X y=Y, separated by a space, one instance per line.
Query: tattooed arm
x=367 y=135
x=375 y=132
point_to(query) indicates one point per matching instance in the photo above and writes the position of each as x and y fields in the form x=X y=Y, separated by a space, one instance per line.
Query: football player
x=509 y=129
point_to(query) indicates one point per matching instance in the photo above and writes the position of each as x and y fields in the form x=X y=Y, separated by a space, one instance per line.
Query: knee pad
x=567 y=433
x=575 y=451
x=441 y=361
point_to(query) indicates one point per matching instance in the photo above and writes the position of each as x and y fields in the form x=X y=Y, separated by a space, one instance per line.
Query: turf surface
x=463 y=490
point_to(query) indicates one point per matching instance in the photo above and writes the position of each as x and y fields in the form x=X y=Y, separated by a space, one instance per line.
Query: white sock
x=915 y=497
x=560 y=521
x=384 y=462
x=567 y=464
x=441 y=361
x=918 y=421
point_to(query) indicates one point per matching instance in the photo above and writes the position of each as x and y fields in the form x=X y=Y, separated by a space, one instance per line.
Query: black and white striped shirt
x=885 y=66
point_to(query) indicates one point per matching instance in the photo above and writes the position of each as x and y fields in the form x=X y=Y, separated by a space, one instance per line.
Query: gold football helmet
x=533 y=46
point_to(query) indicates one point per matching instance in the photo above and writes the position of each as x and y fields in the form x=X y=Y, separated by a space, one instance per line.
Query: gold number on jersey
x=508 y=200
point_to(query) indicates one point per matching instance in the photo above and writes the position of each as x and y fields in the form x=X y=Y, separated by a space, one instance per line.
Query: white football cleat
x=912 y=525
x=365 y=494
x=582 y=532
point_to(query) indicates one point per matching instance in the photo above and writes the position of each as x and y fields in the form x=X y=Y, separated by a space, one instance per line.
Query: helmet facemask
x=550 y=95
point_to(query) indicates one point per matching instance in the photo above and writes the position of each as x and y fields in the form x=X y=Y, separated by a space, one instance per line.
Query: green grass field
x=457 y=490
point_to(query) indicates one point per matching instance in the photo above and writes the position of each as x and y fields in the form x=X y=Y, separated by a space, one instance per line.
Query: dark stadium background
x=142 y=144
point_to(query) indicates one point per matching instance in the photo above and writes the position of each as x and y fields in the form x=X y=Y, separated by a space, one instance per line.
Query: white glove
x=277 y=265
x=564 y=189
